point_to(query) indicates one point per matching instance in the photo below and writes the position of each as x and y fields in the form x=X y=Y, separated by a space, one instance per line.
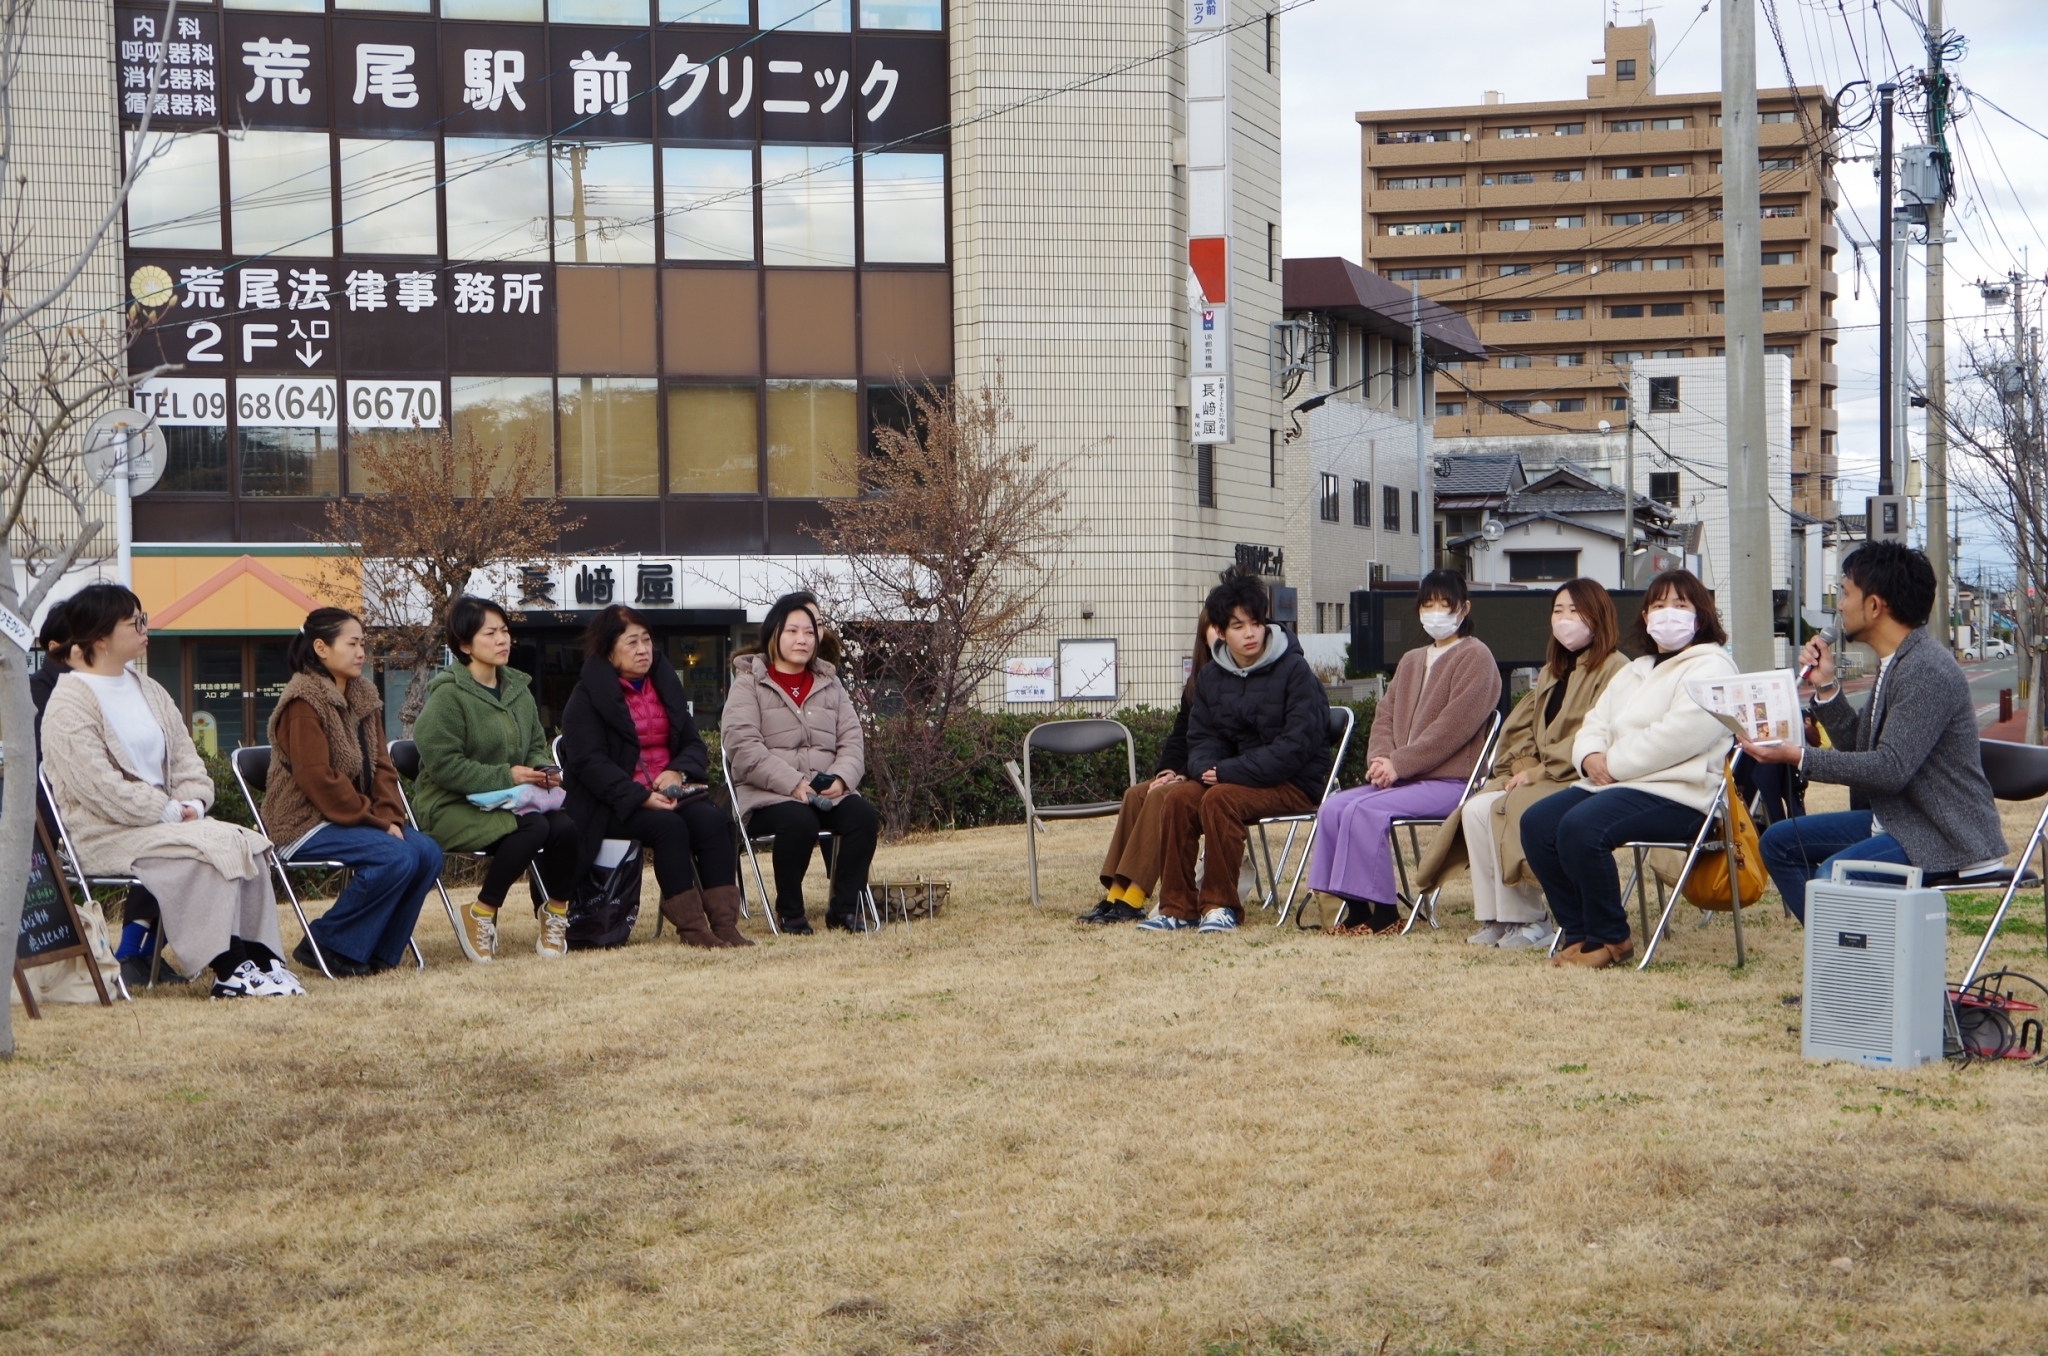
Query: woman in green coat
x=480 y=732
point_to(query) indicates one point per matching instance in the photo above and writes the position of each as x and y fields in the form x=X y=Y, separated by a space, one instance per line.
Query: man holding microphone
x=1909 y=758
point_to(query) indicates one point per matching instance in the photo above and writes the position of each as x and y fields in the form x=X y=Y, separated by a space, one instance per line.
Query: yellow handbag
x=1706 y=885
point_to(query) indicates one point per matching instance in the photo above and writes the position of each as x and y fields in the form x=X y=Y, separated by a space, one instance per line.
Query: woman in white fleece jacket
x=1650 y=758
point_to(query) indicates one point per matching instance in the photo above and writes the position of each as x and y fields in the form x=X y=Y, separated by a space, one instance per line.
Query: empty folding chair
x=251 y=764
x=2016 y=772
x=1342 y=722
x=1424 y=905
x=405 y=756
x=1075 y=738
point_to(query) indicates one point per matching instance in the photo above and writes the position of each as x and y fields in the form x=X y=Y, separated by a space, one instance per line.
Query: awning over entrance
x=240 y=591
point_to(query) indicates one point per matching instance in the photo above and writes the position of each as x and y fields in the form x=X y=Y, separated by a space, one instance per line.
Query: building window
x=714 y=443
x=1520 y=177
x=1542 y=567
x=1624 y=359
x=1569 y=266
x=1667 y=171
x=1515 y=133
x=1514 y=317
x=1664 y=488
x=498 y=198
x=1667 y=124
x=1514 y=270
x=806 y=222
x=916 y=14
x=1390 y=508
x=514 y=413
x=708 y=204
x=1512 y=224
x=1361 y=502
x=816 y=16
x=278 y=193
x=1718 y=307
x=1667 y=308
x=608 y=437
x=1417 y=138
x=1670 y=353
x=1205 y=475
x=1272 y=458
x=1329 y=497
x=1569 y=129
x=1630 y=312
x=1617 y=403
x=1624 y=69
x=175 y=203
x=1783 y=163
x=1571 y=313
x=1516 y=406
x=1626 y=125
x=1624 y=266
x=1666 y=218
x=1415 y=512
x=903 y=210
x=813 y=439
x=1779 y=351
x=387 y=198
x=1571 y=360
x=1567 y=176
x=1669 y=265
x=1627 y=172
x=1782 y=115
x=1663 y=395
x=604 y=203
x=1571 y=405
x=288 y=462
x=1426 y=228
x=1425 y=274
x=1569 y=223
x=1780 y=258
x=1514 y=360
x=1624 y=218
x=195 y=459
x=1781 y=210
x=1447 y=408
x=1424 y=181
x=1779 y=304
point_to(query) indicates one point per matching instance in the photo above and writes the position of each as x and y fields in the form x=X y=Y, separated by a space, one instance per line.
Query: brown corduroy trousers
x=1194 y=812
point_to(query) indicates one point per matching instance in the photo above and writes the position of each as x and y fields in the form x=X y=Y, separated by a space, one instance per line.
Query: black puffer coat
x=1173 y=754
x=1264 y=726
x=601 y=750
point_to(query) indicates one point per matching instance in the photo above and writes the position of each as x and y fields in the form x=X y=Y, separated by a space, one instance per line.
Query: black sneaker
x=842 y=921
x=340 y=966
x=795 y=926
x=1099 y=914
x=135 y=973
x=1113 y=912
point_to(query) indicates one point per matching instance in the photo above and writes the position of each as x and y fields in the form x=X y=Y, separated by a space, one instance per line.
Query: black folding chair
x=1424 y=904
x=1071 y=738
x=2016 y=772
x=251 y=764
x=405 y=756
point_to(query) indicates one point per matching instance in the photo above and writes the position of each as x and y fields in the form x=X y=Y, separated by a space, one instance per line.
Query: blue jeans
x=1803 y=849
x=388 y=881
x=1569 y=840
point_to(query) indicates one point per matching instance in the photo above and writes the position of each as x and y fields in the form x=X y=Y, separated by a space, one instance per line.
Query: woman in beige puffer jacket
x=793 y=742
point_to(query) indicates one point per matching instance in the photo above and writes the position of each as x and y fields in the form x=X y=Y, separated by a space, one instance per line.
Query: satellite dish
x=1606 y=427
x=130 y=437
x=1492 y=529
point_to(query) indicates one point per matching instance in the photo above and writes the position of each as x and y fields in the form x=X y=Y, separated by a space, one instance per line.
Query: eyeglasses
x=140 y=621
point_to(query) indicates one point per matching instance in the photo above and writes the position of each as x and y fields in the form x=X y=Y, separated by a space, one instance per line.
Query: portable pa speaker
x=1874 y=961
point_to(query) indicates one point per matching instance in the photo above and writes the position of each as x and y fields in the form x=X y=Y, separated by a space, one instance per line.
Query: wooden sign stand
x=51 y=930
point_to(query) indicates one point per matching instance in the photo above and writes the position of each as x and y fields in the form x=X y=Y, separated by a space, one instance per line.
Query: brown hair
x=606 y=628
x=1202 y=653
x=1684 y=584
x=1596 y=610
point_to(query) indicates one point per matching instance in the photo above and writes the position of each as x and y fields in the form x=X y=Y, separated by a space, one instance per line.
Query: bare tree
x=61 y=363
x=943 y=561
x=439 y=510
x=1994 y=418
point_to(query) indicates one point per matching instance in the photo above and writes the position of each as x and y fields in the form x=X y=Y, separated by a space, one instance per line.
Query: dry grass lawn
x=1004 y=1133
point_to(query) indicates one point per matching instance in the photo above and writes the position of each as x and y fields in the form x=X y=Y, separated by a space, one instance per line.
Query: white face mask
x=1672 y=627
x=1571 y=633
x=1441 y=624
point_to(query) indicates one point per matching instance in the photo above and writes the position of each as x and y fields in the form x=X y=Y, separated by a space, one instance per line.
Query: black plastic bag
x=607 y=904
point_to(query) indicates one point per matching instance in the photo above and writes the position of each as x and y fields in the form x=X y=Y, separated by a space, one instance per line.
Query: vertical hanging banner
x=1209 y=220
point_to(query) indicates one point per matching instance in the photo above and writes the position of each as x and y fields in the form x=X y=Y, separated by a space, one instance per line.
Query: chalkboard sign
x=50 y=927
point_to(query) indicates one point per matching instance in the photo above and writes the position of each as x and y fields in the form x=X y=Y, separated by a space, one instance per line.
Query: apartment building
x=1582 y=236
x=690 y=250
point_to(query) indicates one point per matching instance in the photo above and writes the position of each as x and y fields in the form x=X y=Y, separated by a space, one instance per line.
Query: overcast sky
x=1343 y=56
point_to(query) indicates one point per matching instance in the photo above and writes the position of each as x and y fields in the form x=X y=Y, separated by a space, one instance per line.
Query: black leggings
x=700 y=831
x=553 y=836
x=796 y=825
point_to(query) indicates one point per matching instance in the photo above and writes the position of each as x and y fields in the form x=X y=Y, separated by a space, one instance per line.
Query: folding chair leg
x=1734 y=886
x=454 y=920
x=2035 y=840
x=1031 y=854
x=305 y=924
x=1270 y=887
x=1670 y=905
x=1300 y=869
x=761 y=884
x=419 y=962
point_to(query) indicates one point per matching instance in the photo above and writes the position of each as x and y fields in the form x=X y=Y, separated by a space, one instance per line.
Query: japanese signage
x=1209 y=404
x=1209 y=218
x=184 y=402
x=169 y=67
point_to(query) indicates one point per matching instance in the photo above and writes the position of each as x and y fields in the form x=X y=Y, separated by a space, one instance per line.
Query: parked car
x=1997 y=649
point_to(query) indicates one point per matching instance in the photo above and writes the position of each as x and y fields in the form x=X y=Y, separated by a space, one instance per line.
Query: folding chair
x=1425 y=904
x=1715 y=834
x=251 y=764
x=1342 y=722
x=870 y=917
x=405 y=756
x=1075 y=738
x=88 y=883
x=2016 y=772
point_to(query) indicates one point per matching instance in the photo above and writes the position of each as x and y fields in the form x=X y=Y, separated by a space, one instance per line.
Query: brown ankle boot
x=722 y=908
x=685 y=912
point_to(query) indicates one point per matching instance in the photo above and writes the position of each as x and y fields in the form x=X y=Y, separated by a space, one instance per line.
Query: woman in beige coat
x=793 y=740
x=1535 y=760
x=134 y=796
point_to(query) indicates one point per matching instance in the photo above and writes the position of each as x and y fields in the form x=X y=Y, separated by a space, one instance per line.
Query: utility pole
x=1749 y=604
x=2030 y=424
x=1900 y=450
x=1885 y=375
x=1425 y=490
x=1938 y=549
x=1628 y=484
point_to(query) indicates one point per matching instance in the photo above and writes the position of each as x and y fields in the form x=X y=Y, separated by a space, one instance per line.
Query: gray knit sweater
x=1919 y=769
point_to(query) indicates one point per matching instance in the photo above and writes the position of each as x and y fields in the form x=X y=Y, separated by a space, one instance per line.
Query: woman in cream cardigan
x=1535 y=760
x=134 y=796
x=1650 y=757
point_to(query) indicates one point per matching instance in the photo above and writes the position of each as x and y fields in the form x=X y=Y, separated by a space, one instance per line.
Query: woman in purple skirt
x=1426 y=736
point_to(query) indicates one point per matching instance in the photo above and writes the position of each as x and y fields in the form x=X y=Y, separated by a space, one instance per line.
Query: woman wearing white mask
x=1426 y=737
x=1650 y=758
x=1535 y=761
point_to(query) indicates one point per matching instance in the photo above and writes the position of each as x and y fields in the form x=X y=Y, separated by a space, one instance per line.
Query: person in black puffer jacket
x=1258 y=745
x=1130 y=872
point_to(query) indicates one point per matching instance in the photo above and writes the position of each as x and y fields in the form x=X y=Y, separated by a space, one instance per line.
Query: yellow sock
x=558 y=906
x=482 y=910
x=1133 y=896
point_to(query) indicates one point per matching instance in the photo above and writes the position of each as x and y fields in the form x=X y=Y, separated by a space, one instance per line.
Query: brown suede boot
x=722 y=907
x=685 y=912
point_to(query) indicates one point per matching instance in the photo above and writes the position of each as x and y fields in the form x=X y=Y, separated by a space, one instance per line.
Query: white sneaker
x=248 y=982
x=1218 y=920
x=1491 y=934
x=1529 y=936
x=286 y=980
x=553 y=942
